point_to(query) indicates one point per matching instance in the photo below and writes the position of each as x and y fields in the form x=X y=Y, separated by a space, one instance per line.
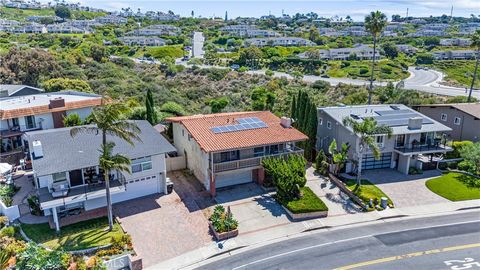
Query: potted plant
x=222 y=223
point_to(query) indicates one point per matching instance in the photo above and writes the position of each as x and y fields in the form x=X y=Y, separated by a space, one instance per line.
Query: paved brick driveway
x=405 y=190
x=165 y=226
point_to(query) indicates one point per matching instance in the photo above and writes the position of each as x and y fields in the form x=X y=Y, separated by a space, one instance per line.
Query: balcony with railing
x=413 y=148
x=63 y=196
x=252 y=162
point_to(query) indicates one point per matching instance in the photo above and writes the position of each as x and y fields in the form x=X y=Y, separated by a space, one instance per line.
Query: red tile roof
x=8 y=114
x=199 y=127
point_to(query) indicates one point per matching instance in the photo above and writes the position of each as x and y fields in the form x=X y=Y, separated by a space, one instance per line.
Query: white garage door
x=230 y=179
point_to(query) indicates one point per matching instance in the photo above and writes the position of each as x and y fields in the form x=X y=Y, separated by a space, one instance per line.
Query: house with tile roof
x=19 y=114
x=462 y=118
x=226 y=149
x=414 y=136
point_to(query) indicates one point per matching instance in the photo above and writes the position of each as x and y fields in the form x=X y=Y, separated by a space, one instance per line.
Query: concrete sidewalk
x=254 y=240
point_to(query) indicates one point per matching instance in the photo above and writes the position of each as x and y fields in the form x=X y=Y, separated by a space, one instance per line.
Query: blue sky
x=357 y=9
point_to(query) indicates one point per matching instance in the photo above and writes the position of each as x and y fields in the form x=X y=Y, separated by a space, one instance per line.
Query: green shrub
x=223 y=221
x=3 y=221
x=466 y=166
x=173 y=108
x=288 y=175
x=413 y=170
x=123 y=241
x=269 y=73
x=386 y=69
x=457 y=145
x=108 y=252
x=452 y=165
x=34 y=204
x=7 y=231
x=363 y=71
x=242 y=69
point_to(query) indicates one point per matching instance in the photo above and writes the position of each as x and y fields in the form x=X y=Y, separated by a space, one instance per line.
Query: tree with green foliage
x=58 y=84
x=250 y=56
x=151 y=114
x=98 y=53
x=304 y=114
x=108 y=120
x=172 y=108
x=63 y=12
x=375 y=22
x=339 y=157
x=471 y=154
x=476 y=45
x=321 y=163
x=366 y=132
x=288 y=175
x=262 y=99
x=36 y=257
x=218 y=104
x=72 y=120
x=390 y=50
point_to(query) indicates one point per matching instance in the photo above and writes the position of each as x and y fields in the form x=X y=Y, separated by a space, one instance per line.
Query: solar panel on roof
x=245 y=123
x=389 y=112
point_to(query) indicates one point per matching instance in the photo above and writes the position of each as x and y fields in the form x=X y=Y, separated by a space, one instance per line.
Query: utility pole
x=226 y=16
x=407 y=13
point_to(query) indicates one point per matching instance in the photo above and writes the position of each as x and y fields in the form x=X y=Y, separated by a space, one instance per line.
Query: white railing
x=250 y=162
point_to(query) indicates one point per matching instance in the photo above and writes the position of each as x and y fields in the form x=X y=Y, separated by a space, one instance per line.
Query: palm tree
x=375 y=22
x=107 y=120
x=366 y=130
x=476 y=45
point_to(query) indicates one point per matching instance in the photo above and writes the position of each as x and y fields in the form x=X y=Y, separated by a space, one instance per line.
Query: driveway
x=254 y=209
x=405 y=190
x=165 y=226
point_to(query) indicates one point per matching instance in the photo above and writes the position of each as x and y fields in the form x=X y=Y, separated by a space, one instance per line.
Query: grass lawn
x=308 y=203
x=82 y=235
x=454 y=187
x=367 y=191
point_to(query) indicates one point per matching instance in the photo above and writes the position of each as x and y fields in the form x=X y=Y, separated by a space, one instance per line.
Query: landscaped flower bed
x=222 y=223
x=368 y=191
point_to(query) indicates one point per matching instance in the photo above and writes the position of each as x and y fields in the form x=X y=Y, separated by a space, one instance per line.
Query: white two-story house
x=414 y=135
x=226 y=149
x=70 y=182
x=19 y=114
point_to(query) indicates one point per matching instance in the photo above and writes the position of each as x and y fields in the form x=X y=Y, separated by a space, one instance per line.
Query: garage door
x=230 y=179
x=369 y=162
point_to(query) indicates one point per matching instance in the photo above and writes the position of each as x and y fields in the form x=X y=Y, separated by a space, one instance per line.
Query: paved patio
x=165 y=226
x=405 y=190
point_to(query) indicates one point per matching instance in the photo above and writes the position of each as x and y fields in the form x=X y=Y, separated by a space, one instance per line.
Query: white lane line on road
x=346 y=240
x=300 y=249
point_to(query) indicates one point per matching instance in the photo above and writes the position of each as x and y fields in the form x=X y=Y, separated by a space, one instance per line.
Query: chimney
x=286 y=122
x=415 y=122
x=56 y=103
x=37 y=149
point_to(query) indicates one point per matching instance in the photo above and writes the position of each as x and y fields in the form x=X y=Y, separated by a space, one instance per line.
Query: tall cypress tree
x=293 y=109
x=150 y=108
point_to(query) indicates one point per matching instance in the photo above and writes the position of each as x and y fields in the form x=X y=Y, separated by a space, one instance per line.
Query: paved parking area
x=405 y=190
x=254 y=209
x=164 y=226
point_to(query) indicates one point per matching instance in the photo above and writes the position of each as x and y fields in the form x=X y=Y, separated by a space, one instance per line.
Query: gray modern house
x=414 y=135
x=462 y=118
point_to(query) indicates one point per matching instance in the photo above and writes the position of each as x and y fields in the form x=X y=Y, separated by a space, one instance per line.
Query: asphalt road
x=442 y=242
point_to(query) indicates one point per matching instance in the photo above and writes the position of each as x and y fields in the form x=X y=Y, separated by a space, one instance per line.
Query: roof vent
x=37 y=149
x=395 y=108
x=355 y=116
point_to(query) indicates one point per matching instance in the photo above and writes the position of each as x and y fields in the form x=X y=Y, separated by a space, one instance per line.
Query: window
x=457 y=121
x=30 y=122
x=426 y=138
x=379 y=140
x=183 y=132
x=59 y=177
x=258 y=151
x=141 y=164
x=329 y=125
x=320 y=121
x=400 y=140
x=229 y=156
x=444 y=117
